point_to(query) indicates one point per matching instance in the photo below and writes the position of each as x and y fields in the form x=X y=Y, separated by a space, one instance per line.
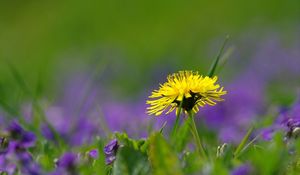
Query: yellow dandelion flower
x=187 y=88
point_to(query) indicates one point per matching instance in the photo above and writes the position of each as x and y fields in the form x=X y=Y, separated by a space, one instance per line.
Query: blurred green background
x=42 y=39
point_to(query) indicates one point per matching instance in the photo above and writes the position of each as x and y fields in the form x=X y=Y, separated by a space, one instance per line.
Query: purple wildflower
x=133 y=111
x=291 y=120
x=292 y=127
x=110 y=151
x=28 y=139
x=9 y=169
x=67 y=164
x=14 y=152
x=15 y=130
x=32 y=169
x=94 y=153
x=24 y=157
x=24 y=138
x=242 y=170
x=68 y=161
x=79 y=111
x=3 y=145
x=288 y=121
x=242 y=104
x=47 y=133
x=267 y=134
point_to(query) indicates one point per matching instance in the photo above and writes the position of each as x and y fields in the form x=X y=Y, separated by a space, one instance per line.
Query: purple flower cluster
x=67 y=164
x=110 y=151
x=91 y=114
x=23 y=139
x=14 y=151
x=16 y=157
x=131 y=118
x=287 y=121
x=293 y=126
x=81 y=113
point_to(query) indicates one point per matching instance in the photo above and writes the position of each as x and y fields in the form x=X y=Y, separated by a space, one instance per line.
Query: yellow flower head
x=187 y=88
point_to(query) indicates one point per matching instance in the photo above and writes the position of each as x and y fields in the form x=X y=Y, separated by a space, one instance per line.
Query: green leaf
x=243 y=143
x=131 y=162
x=182 y=137
x=273 y=158
x=192 y=163
x=140 y=145
x=19 y=79
x=162 y=158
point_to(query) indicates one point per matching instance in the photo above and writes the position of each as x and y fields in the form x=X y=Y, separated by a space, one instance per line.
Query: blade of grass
x=214 y=65
x=224 y=59
x=10 y=110
x=39 y=86
x=103 y=123
x=249 y=144
x=21 y=82
x=162 y=128
x=243 y=142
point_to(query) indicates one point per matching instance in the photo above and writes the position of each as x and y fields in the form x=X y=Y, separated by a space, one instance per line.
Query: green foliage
x=140 y=145
x=182 y=137
x=191 y=163
x=131 y=156
x=91 y=165
x=131 y=162
x=163 y=159
x=156 y=156
x=271 y=157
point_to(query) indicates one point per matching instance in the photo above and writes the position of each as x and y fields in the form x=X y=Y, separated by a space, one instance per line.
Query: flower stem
x=174 y=130
x=195 y=133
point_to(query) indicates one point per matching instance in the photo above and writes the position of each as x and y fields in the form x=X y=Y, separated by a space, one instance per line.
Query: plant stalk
x=175 y=127
x=195 y=133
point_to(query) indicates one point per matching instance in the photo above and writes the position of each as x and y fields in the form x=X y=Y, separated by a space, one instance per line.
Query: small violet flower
x=68 y=161
x=242 y=170
x=288 y=121
x=94 y=153
x=25 y=139
x=293 y=127
x=110 y=151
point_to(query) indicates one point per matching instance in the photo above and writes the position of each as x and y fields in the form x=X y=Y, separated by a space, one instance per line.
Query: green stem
x=174 y=130
x=195 y=133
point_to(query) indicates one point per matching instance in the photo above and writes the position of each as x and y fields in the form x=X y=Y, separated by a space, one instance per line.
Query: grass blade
x=213 y=67
x=8 y=108
x=163 y=127
x=21 y=82
x=243 y=142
